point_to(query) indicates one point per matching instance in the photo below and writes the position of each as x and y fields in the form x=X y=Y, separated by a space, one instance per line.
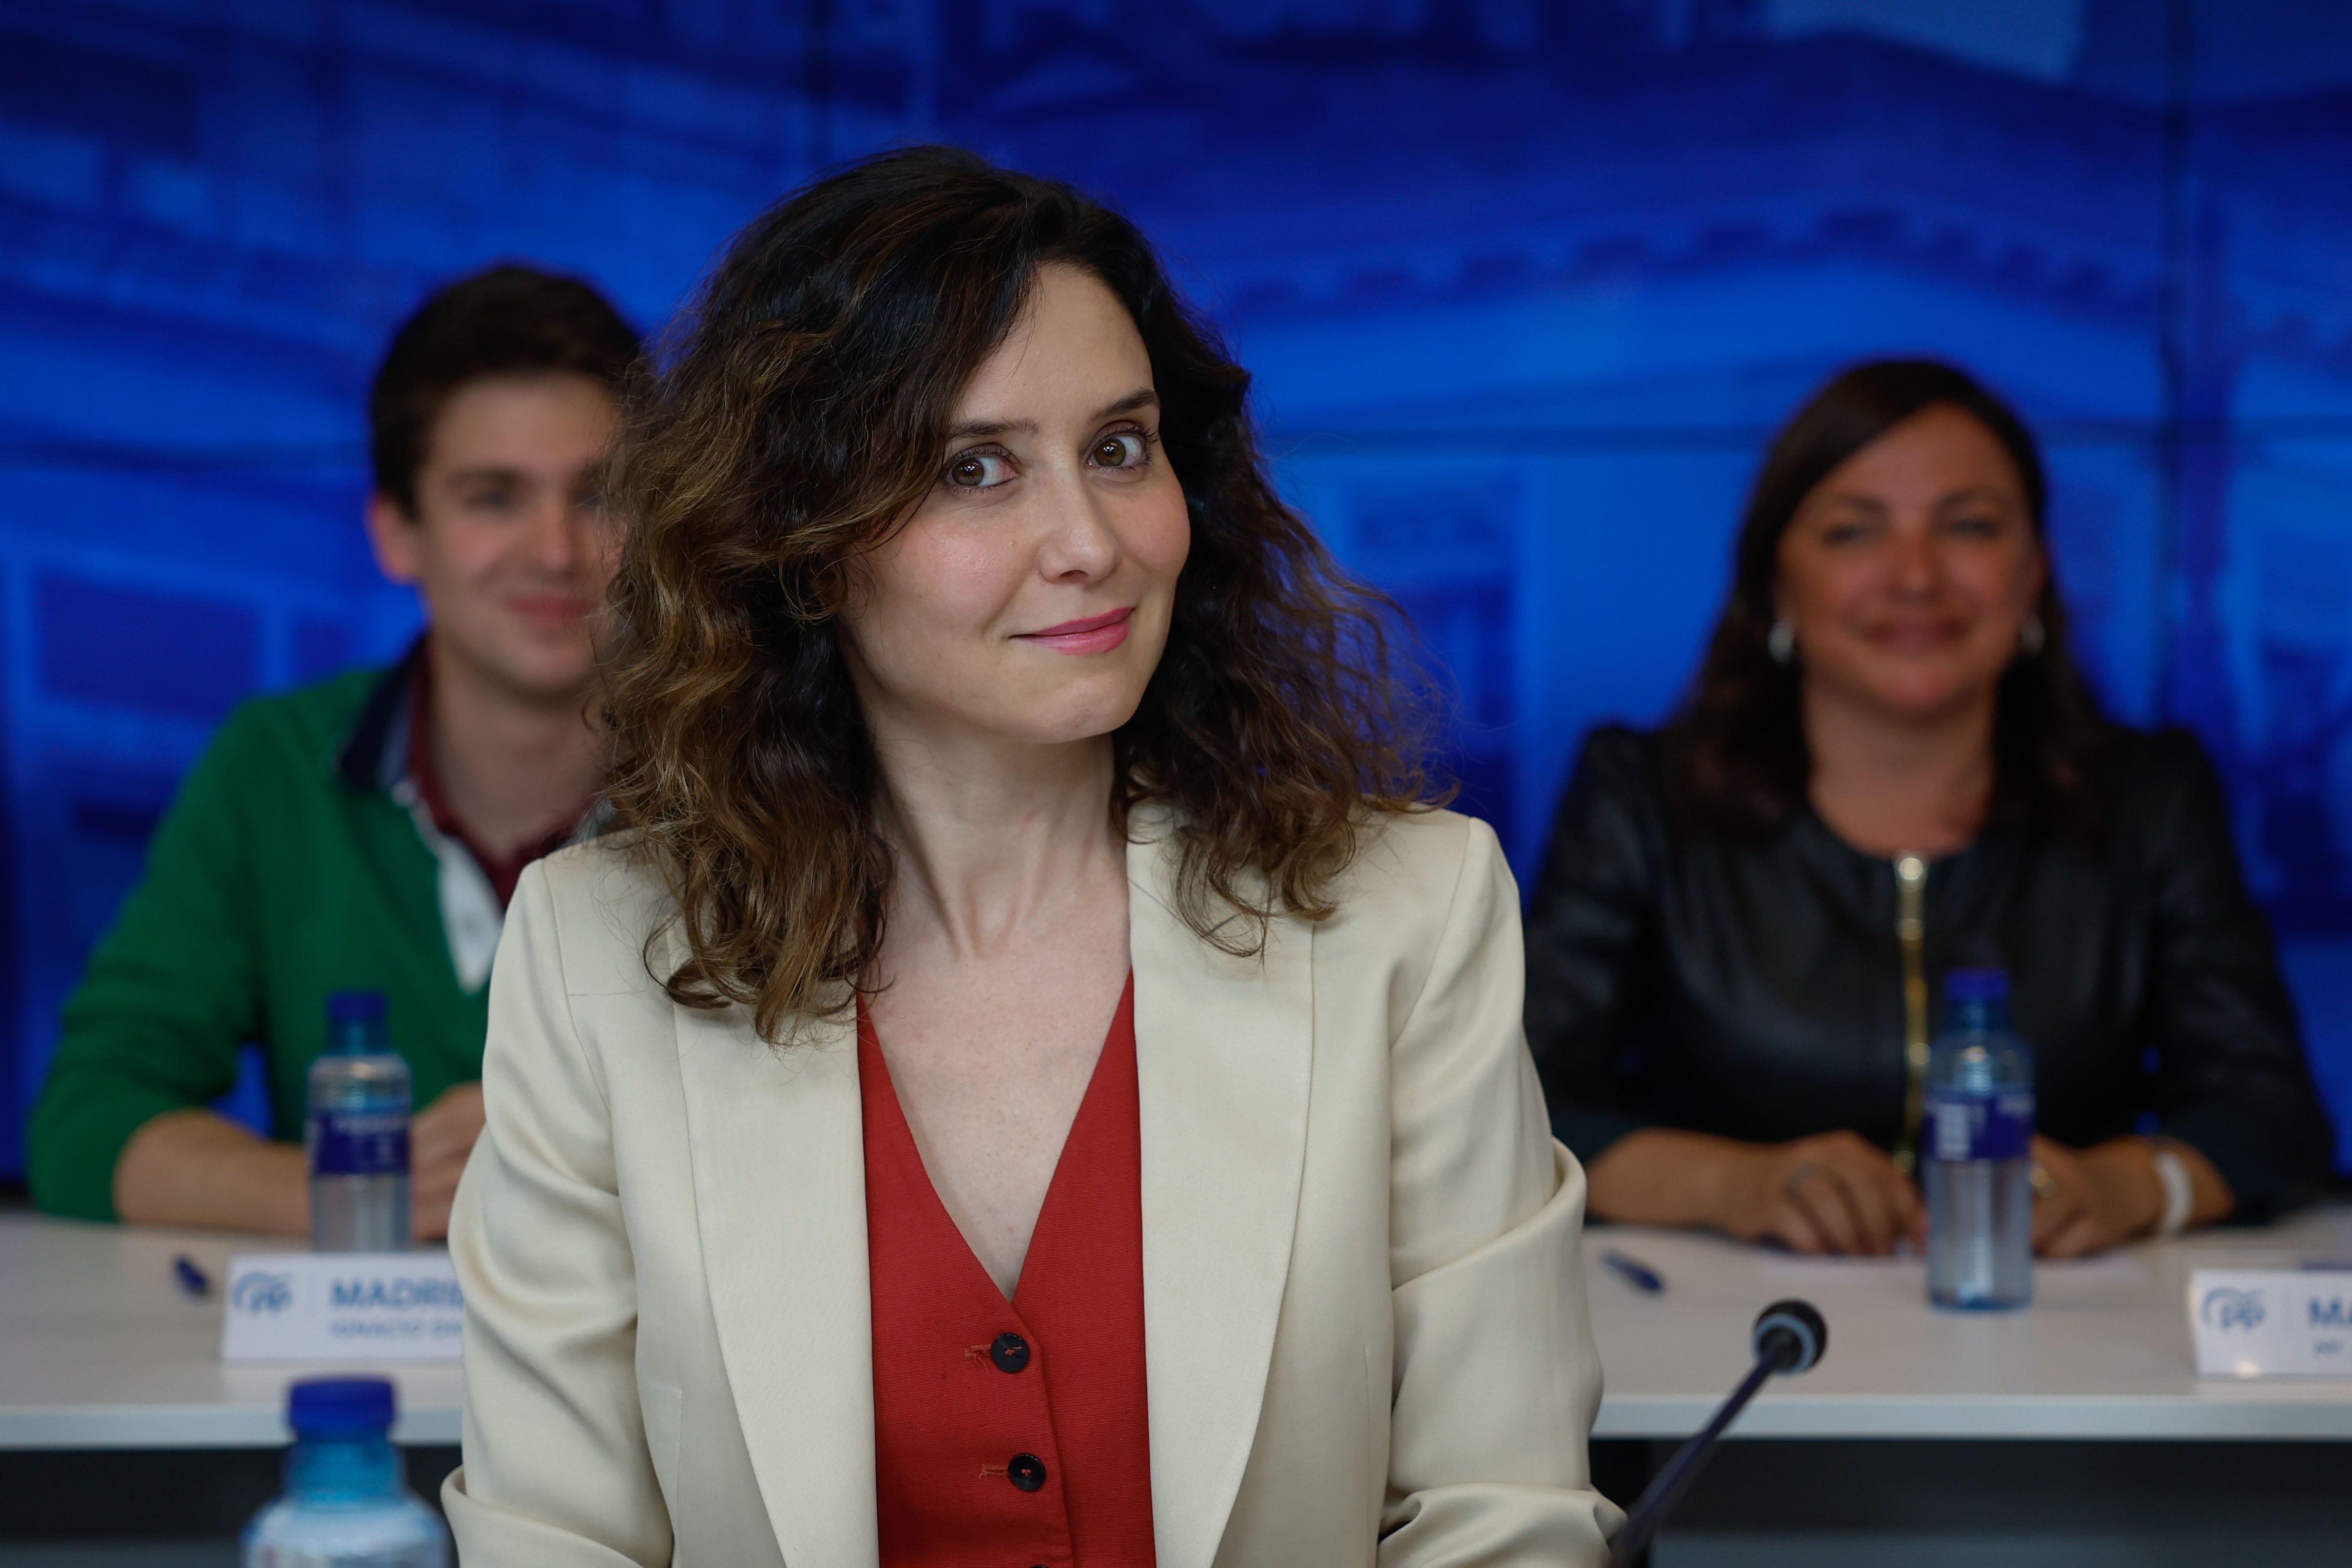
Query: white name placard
x=342 y=1306
x=2272 y=1323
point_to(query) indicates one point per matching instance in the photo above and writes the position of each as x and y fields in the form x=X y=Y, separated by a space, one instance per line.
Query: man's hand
x=439 y=1139
x=194 y=1168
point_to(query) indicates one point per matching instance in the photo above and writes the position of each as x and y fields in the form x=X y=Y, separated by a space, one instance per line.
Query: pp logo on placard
x=2228 y=1309
x=259 y=1293
x=332 y=1306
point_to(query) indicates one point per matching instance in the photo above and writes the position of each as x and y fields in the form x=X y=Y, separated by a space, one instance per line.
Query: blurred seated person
x=1890 y=767
x=364 y=833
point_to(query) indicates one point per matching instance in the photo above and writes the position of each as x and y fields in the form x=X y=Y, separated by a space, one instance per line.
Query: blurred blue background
x=1525 y=284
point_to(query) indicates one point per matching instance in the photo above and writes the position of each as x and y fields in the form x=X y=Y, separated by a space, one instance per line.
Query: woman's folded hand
x=1831 y=1193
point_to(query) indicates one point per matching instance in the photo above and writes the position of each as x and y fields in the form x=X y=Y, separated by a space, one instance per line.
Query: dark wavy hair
x=800 y=414
x=1738 y=762
x=502 y=321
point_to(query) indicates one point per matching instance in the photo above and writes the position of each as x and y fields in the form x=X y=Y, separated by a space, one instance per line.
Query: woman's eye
x=1125 y=449
x=1979 y=527
x=978 y=470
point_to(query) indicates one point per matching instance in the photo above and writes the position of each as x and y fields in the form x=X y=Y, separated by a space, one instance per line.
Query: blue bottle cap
x=341 y=1406
x=1976 y=986
x=355 y=1006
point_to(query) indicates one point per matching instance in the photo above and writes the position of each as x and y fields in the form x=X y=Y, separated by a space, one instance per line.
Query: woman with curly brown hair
x=1037 y=1083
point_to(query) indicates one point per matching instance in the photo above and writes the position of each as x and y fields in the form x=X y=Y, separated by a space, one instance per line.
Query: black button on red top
x=986 y=1450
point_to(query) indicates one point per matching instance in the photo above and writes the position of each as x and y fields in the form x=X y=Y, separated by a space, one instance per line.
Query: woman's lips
x=1094 y=635
x=1919 y=636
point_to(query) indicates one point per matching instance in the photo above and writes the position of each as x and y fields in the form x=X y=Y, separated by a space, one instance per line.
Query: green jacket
x=286 y=870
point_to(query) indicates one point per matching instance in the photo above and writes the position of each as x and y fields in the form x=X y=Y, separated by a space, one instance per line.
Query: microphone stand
x=1788 y=1338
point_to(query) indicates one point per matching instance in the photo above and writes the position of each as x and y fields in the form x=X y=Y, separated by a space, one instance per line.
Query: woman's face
x=1909 y=571
x=1028 y=597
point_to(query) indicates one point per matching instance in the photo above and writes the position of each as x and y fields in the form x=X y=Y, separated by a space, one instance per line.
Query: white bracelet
x=2179 y=1192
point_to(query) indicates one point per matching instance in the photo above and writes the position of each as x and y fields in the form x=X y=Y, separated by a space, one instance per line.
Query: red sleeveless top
x=1012 y=1433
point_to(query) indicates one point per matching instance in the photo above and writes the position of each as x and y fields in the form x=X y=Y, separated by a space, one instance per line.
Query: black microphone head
x=1791 y=1333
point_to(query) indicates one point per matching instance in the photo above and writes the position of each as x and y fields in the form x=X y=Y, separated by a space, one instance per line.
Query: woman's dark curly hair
x=799 y=414
x=1739 y=765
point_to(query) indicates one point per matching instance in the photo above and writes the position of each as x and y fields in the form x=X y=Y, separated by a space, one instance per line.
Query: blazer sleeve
x=556 y=1472
x=1496 y=1378
x=1591 y=913
x=2231 y=1079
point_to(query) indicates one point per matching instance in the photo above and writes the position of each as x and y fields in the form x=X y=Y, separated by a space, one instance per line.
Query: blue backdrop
x=1525 y=284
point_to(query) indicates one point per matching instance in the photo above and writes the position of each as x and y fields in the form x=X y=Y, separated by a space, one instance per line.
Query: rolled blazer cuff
x=1525 y=1287
x=495 y=1536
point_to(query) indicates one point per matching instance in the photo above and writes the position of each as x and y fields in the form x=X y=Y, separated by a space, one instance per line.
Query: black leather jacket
x=1756 y=990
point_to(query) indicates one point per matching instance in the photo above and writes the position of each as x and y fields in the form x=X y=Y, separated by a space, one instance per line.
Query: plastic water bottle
x=346 y=1504
x=1978 y=1150
x=358 y=1133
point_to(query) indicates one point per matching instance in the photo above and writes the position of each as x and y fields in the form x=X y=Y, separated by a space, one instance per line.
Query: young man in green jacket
x=366 y=834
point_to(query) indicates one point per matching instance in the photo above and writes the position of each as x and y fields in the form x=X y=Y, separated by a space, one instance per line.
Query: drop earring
x=2032 y=638
x=1781 y=642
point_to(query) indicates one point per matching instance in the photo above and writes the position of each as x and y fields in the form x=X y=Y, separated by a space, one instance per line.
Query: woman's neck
x=1892 y=786
x=996 y=839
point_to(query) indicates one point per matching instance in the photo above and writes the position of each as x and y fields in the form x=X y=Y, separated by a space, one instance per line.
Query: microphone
x=1788 y=1338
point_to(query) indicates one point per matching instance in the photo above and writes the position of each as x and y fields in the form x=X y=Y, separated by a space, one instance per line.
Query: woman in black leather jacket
x=1889 y=767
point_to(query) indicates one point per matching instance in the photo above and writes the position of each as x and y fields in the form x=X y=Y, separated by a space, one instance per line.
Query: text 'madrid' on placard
x=2272 y=1323
x=342 y=1306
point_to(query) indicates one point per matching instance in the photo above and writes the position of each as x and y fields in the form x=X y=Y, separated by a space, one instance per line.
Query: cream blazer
x=1365 y=1325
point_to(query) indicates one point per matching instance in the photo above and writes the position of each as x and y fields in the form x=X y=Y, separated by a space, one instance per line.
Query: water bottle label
x=359 y=1143
x=1980 y=1126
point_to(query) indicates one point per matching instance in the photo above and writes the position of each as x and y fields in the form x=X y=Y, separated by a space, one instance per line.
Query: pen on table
x=1638 y=1274
x=192 y=1280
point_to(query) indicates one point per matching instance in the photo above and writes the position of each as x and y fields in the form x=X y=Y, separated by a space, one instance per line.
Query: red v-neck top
x=1012 y=1433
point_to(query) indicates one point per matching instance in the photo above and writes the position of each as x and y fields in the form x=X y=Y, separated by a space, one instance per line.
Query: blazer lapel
x=1223 y=1048
x=780 y=1196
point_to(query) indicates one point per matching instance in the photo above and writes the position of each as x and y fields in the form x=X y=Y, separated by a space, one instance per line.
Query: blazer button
x=1027 y=1471
x=1010 y=1352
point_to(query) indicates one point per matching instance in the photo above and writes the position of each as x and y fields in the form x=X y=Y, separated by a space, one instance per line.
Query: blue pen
x=1639 y=1275
x=192 y=1280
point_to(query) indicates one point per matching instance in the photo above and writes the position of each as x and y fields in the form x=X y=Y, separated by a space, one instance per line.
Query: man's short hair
x=507 y=320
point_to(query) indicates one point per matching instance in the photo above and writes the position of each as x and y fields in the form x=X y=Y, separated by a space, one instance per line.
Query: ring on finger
x=1801 y=1175
x=2045 y=1184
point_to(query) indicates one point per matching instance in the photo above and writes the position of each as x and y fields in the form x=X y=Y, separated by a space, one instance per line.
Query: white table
x=1855 y=1463
x=2103 y=1353
x=99 y=1348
